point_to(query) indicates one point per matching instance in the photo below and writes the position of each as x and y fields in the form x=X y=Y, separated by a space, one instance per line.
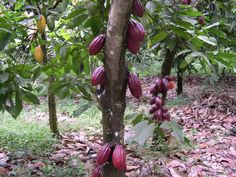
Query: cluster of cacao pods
x=38 y=52
x=105 y=154
x=158 y=109
x=136 y=31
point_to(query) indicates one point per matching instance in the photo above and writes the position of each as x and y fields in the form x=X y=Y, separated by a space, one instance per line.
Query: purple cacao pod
x=132 y=45
x=97 y=44
x=165 y=116
x=154 y=89
x=152 y=101
x=136 y=30
x=186 y=2
x=165 y=84
x=158 y=115
x=135 y=86
x=153 y=109
x=97 y=172
x=104 y=154
x=98 y=76
x=159 y=85
x=119 y=158
x=158 y=101
x=138 y=8
x=201 y=20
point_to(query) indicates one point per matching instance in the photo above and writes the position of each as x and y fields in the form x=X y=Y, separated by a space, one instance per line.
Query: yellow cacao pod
x=41 y=24
x=38 y=54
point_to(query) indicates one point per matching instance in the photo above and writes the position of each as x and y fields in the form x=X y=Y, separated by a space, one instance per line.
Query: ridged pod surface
x=104 y=154
x=135 y=86
x=41 y=24
x=138 y=8
x=38 y=54
x=97 y=172
x=136 y=30
x=132 y=45
x=98 y=76
x=97 y=44
x=119 y=158
x=186 y=2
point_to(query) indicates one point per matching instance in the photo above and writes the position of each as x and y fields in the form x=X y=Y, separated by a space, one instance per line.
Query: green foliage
x=20 y=135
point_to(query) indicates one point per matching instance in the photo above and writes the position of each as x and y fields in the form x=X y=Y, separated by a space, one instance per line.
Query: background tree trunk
x=179 y=89
x=166 y=67
x=113 y=101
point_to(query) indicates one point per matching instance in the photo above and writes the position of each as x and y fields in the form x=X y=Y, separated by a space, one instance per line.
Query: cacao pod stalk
x=97 y=44
x=134 y=86
x=98 y=76
x=119 y=158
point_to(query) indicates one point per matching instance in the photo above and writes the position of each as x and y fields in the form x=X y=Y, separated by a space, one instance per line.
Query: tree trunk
x=51 y=98
x=179 y=79
x=113 y=101
x=52 y=108
x=166 y=67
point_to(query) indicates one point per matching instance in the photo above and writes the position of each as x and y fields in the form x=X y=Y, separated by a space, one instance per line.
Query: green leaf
x=4 y=38
x=30 y=97
x=4 y=77
x=145 y=134
x=212 y=25
x=207 y=40
x=177 y=131
x=159 y=37
x=81 y=109
x=51 y=22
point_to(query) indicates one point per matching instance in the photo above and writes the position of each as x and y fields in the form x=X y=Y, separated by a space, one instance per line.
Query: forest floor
x=206 y=112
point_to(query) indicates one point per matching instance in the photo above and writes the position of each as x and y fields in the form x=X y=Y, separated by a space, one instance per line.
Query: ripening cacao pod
x=104 y=154
x=138 y=8
x=134 y=86
x=171 y=85
x=201 y=20
x=98 y=76
x=97 y=172
x=158 y=101
x=169 y=78
x=132 y=45
x=159 y=84
x=41 y=24
x=154 y=89
x=119 y=158
x=97 y=44
x=136 y=30
x=38 y=54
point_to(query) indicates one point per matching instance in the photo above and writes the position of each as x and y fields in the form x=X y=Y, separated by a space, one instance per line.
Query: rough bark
x=51 y=97
x=113 y=100
x=166 y=66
